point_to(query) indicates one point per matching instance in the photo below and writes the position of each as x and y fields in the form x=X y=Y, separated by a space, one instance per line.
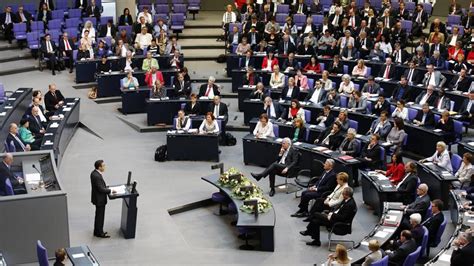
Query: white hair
x=212 y=78
x=415 y=217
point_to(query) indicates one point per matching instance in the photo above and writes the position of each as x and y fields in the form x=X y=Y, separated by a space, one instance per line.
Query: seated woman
x=454 y=51
x=360 y=70
x=370 y=156
x=334 y=198
x=441 y=157
x=295 y=111
x=193 y=107
x=301 y=81
x=101 y=49
x=243 y=46
x=130 y=82
x=375 y=253
x=269 y=61
x=396 y=170
x=157 y=91
x=209 y=125
x=332 y=137
x=277 y=79
x=397 y=134
x=312 y=66
x=446 y=124
x=83 y=53
x=27 y=137
x=299 y=130
x=250 y=77
x=103 y=66
x=258 y=92
x=350 y=145
x=264 y=128
x=182 y=121
x=465 y=172
x=346 y=86
x=339 y=258
x=400 y=111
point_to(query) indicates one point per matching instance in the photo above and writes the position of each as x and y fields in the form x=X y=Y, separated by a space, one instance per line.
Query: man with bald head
x=53 y=99
x=420 y=205
x=36 y=126
x=6 y=172
x=14 y=141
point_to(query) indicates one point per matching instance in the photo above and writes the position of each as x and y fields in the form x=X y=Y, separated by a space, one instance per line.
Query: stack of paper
x=119 y=189
x=33 y=177
x=48 y=142
x=54 y=125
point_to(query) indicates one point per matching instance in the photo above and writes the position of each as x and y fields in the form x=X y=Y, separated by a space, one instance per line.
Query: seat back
x=382 y=157
x=307 y=115
x=42 y=254
x=345 y=69
x=276 y=130
x=54 y=24
x=9 y=147
x=37 y=26
x=453 y=20
x=280 y=17
x=456 y=161
x=57 y=14
x=353 y=124
x=9 y=187
x=343 y=101
x=440 y=232
x=411 y=259
x=74 y=13
x=180 y=9
x=310 y=83
x=412 y=113
x=105 y=19
x=283 y=9
x=126 y=28
x=318 y=20
x=381 y=262
x=299 y=20
x=345 y=229
x=458 y=128
x=424 y=242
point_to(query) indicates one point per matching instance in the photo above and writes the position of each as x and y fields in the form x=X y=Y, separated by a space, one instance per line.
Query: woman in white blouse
x=440 y=157
x=88 y=26
x=400 y=111
x=465 y=172
x=346 y=86
x=335 y=198
x=264 y=128
x=209 y=125
x=277 y=79
x=385 y=45
x=360 y=69
x=327 y=83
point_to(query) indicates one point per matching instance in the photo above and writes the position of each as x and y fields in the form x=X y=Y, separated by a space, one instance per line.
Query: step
x=199 y=43
x=192 y=33
x=14 y=55
x=202 y=54
x=15 y=67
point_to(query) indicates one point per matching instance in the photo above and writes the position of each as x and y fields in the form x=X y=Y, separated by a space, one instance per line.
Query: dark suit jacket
x=294 y=94
x=50 y=4
x=463 y=256
x=62 y=47
x=334 y=140
x=5 y=173
x=103 y=31
x=305 y=51
x=278 y=110
x=99 y=189
x=322 y=95
x=188 y=109
x=335 y=69
x=373 y=154
x=463 y=108
x=420 y=205
x=293 y=64
x=222 y=108
x=291 y=160
x=429 y=120
x=35 y=125
x=407 y=188
x=416 y=78
x=391 y=73
x=345 y=212
x=442 y=50
x=463 y=85
x=93 y=11
x=41 y=15
x=430 y=100
x=290 y=49
x=351 y=147
x=182 y=91
x=328 y=183
x=251 y=63
x=11 y=139
x=399 y=255
x=27 y=15
x=203 y=89
x=230 y=38
x=44 y=49
x=122 y=20
x=377 y=110
x=301 y=134
x=50 y=101
x=432 y=224
x=345 y=53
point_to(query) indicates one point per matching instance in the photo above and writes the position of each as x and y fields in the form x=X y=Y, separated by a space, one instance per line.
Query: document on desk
x=428 y=164
x=279 y=140
x=54 y=125
x=389 y=230
x=381 y=234
x=391 y=218
x=445 y=257
x=48 y=142
x=3 y=113
x=32 y=178
x=78 y=255
x=471 y=143
x=119 y=189
x=471 y=221
x=8 y=107
x=381 y=177
x=67 y=109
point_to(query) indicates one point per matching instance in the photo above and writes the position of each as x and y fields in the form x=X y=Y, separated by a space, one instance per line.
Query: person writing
x=209 y=125
x=99 y=198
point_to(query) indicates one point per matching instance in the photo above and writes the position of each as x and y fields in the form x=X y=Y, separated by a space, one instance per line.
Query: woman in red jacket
x=269 y=61
x=395 y=170
x=313 y=66
x=153 y=75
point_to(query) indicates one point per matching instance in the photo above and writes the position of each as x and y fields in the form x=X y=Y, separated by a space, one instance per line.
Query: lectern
x=128 y=194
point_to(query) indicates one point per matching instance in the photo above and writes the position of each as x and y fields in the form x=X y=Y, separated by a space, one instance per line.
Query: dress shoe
x=314 y=243
x=256 y=176
x=104 y=235
x=300 y=214
x=272 y=192
x=307 y=220
x=304 y=233
x=54 y=73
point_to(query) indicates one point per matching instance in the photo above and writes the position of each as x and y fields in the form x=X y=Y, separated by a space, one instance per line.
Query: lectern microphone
x=134 y=187
x=129 y=178
x=218 y=166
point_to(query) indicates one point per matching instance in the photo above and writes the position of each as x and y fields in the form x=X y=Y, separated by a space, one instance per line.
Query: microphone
x=218 y=166
x=34 y=167
x=129 y=177
x=90 y=256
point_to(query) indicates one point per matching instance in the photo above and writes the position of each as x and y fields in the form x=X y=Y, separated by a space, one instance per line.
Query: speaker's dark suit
x=182 y=90
x=6 y=172
x=35 y=125
x=407 y=189
x=99 y=199
x=275 y=168
x=51 y=101
x=69 y=53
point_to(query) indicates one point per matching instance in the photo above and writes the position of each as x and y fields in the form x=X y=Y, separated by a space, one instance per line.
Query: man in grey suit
x=99 y=198
x=380 y=126
x=420 y=205
x=357 y=102
x=427 y=96
x=433 y=77
x=371 y=87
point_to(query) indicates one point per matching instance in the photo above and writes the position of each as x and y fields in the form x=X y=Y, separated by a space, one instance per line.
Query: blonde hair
x=374 y=245
x=341 y=254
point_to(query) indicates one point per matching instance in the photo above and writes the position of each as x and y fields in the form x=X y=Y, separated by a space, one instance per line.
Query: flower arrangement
x=226 y=181
x=263 y=205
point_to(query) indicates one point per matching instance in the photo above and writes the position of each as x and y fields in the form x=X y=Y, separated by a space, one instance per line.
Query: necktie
x=428 y=80
x=418 y=18
x=469 y=105
x=300 y=9
x=353 y=22
x=410 y=75
x=38 y=121
x=286 y=47
x=8 y=19
x=22 y=16
x=370 y=88
x=386 y=23
x=54 y=94
x=49 y=48
x=19 y=142
x=208 y=90
x=387 y=71
x=321 y=179
x=457 y=83
x=68 y=48
x=228 y=17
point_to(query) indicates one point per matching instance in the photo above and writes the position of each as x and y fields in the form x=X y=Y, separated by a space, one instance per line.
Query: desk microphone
x=218 y=166
x=90 y=256
x=34 y=167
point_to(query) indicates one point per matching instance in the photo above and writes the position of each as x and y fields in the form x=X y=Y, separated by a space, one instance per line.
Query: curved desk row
x=87 y=69
x=263 y=224
x=438 y=180
x=263 y=152
x=466 y=146
x=163 y=111
x=461 y=221
x=12 y=110
x=108 y=84
x=59 y=132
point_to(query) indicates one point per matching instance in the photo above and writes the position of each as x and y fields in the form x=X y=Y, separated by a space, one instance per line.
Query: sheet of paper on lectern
x=33 y=177
x=119 y=189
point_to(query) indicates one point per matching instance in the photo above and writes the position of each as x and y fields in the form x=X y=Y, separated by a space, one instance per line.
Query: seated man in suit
x=371 y=87
x=210 y=89
x=381 y=126
x=248 y=60
x=6 y=23
x=412 y=74
x=272 y=108
x=332 y=137
x=290 y=65
x=380 y=106
x=467 y=108
x=442 y=102
x=407 y=187
x=317 y=94
x=193 y=107
x=66 y=48
x=357 y=102
x=48 y=49
x=463 y=253
x=434 y=222
x=291 y=91
x=285 y=165
x=370 y=156
x=424 y=117
x=6 y=172
x=317 y=187
x=420 y=205
x=218 y=109
x=408 y=245
x=344 y=213
x=433 y=77
x=402 y=92
x=13 y=140
x=387 y=71
x=182 y=88
x=427 y=96
x=36 y=126
x=461 y=82
x=53 y=99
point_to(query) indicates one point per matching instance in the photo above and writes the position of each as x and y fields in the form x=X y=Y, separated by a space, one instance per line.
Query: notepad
x=389 y=230
x=67 y=109
x=471 y=143
x=48 y=142
x=279 y=140
x=171 y=131
x=3 y=113
x=8 y=107
x=394 y=212
x=20 y=91
x=381 y=234
x=78 y=255
x=471 y=221
x=69 y=103
x=312 y=126
x=11 y=99
x=381 y=178
x=159 y=99
x=33 y=177
x=281 y=101
x=445 y=257
x=119 y=189
x=391 y=218
x=48 y=134
x=364 y=243
x=428 y=164
x=437 y=130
